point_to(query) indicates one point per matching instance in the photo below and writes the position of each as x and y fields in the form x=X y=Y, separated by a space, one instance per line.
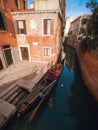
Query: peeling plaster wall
x=46 y=5
x=35 y=39
x=8 y=36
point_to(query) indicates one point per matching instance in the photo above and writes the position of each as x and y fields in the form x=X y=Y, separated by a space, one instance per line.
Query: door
x=1 y=66
x=7 y=54
x=24 y=53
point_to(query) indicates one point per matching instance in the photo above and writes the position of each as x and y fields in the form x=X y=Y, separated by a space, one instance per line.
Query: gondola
x=34 y=100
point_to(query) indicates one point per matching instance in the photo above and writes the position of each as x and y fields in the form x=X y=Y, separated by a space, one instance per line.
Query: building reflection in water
x=82 y=108
x=51 y=100
x=69 y=57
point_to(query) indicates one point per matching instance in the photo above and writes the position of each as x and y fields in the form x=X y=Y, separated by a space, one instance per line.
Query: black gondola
x=39 y=93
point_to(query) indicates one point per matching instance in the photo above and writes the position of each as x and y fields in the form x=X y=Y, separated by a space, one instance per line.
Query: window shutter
x=4 y=20
x=45 y=26
x=3 y=25
x=17 y=4
x=20 y=24
x=16 y=26
x=24 y=23
x=24 y=4
x=1 y=20
x=51 y=27
x=47 y=51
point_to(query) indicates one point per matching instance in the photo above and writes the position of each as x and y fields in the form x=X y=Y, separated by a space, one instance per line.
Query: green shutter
x=3 y=25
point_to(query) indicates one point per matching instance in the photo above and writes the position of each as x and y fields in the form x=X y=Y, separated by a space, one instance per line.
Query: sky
x=75 y=7
x=30 y=1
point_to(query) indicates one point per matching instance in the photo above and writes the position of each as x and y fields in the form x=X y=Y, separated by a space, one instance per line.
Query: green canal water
x=70 y=107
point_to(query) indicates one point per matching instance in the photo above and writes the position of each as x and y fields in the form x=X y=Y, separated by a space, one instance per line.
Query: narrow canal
x=70 y=107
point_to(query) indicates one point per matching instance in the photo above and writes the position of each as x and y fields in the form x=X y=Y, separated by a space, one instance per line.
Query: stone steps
x=18 y=98
x=7 y=111
x=10 y=93
x=10 y=88
x=14 y=95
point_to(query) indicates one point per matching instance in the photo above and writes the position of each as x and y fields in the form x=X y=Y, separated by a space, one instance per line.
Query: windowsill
x=21 y=34
x=47 y=35
x=47 y=56
x=3 y=31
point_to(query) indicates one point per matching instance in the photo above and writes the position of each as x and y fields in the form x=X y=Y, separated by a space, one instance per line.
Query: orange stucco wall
x=35 y=34
x=10 y=5
x=9 y=37
x=6 y=39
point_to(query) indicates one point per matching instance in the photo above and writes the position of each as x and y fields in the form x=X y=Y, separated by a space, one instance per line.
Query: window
x=24 y=4
x=48 y=27
x=6 y=46
x=8 y=54
x=2 y=22
x=1 y=65
x=17 y=4
x=47 y=51
x=20 y=27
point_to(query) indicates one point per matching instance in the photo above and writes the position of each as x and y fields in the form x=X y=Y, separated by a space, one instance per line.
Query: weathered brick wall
x=10 y=4
x=89 y=68
x=35 y=36
x=7 y=38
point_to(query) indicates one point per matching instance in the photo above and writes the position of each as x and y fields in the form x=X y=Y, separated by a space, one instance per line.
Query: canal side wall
x=89 y=69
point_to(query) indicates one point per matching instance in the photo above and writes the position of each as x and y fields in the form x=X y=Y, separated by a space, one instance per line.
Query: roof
x=76 y=19
x=32 y=11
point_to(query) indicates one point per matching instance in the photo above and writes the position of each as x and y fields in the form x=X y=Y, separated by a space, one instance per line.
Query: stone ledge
x=7 y=111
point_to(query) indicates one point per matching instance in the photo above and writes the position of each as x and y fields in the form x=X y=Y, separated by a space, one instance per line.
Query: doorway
x=7 y=54
x=1 y=65
x=24 y=53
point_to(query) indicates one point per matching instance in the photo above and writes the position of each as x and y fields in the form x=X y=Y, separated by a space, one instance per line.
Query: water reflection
x=70 y=106
x=51 y=100
x=25 y=124
x=83 y=109
x=69 y=57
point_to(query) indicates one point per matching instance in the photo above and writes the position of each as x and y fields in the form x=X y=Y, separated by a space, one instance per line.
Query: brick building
x=78 y=29
x=34 y=34
x=79 y=25
x=39 y=31
x=8 y=43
